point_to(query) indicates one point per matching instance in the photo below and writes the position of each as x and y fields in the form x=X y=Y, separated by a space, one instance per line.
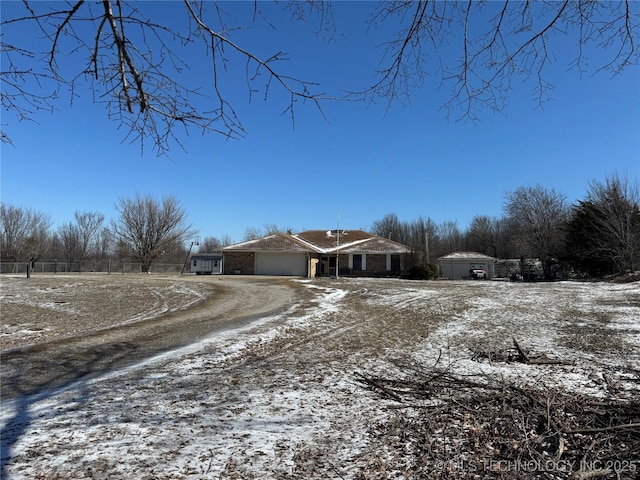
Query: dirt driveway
x=350 y=378
x=58 y=328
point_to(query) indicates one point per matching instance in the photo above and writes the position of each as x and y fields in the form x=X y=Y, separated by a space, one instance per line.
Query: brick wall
x=376 y=262
x=241 y=262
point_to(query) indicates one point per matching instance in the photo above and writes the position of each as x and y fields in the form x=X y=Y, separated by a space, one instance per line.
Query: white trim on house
x=363 y=256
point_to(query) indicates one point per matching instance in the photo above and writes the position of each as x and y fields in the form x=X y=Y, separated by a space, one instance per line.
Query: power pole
x=196 y=241
x=338 y=248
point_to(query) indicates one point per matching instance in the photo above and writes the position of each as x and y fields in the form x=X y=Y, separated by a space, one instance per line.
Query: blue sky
x=365 y=161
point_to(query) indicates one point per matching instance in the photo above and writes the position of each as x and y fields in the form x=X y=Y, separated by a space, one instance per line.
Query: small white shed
x=458 y=265
x=206 y=263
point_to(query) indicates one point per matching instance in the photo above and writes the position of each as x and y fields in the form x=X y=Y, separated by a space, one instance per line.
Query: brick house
x=316 y=253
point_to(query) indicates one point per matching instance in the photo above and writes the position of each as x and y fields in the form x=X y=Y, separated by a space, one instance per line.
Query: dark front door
x=357 y=262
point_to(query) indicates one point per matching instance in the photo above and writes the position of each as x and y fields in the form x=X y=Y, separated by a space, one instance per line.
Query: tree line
x=146 y=230
x=596 y=236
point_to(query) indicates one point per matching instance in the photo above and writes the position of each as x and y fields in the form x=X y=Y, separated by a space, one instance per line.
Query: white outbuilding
x=459 y=265
x=206 y=263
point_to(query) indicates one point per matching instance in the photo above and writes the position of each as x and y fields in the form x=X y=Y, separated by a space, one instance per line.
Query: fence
x=106 y=266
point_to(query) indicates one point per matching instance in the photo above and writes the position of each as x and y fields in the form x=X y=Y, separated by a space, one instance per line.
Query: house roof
x=277 y=242
x=328 y=239
x=373 y=244
x=322 y=241
x=466 y=256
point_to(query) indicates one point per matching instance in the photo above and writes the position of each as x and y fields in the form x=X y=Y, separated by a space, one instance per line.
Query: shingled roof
x=278 y=242
x=374 y=245
x=321 y=241
x=327 y=239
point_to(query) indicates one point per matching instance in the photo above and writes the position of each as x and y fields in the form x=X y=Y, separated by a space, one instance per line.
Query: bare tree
x=68 y=237
x=506 y=233
x=421 y=235
x=540 y=216
x=81 y=238
x=105 y=243
x=253 y=233
x=423 y=238
x=226 y=240
x=23 y=232
x=89 y=226
x=483 y=235
x=148 y=227
x=135 y=65
x=211 y=244
x=450 y=236
x=389 y=227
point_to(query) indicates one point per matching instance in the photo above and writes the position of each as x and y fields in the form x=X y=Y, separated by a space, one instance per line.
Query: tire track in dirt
x=235 y=302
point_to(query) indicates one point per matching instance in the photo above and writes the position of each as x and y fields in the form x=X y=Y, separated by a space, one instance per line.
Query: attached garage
x=279 y=263
x=277 y=254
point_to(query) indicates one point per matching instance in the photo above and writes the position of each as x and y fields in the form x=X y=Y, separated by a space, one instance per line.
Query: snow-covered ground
x=279 y=398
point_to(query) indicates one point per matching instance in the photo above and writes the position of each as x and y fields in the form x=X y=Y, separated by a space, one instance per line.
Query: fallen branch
x=522 y=353
x=538 y=361
x=605 y=429
x=603 y=472
x=550 y=361
x=374 y=384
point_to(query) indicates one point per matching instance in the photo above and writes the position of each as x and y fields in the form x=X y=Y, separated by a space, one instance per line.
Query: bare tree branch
x=134 y=66
x=516 y=42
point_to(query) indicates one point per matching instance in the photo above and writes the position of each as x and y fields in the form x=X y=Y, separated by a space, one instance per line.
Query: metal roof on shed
x=466 y=256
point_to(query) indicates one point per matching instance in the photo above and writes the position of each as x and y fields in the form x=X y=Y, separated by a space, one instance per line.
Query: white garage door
x=281 y=264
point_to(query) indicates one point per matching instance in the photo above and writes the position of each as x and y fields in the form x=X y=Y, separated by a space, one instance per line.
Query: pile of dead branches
x=449 y=426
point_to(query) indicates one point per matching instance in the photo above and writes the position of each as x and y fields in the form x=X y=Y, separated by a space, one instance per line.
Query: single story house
x=459 y=265
x=316 y=252
x=206 y=263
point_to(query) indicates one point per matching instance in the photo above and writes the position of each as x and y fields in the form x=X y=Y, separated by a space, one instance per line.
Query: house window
x=357 y=261
x=195 y=263
x=215 y=263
